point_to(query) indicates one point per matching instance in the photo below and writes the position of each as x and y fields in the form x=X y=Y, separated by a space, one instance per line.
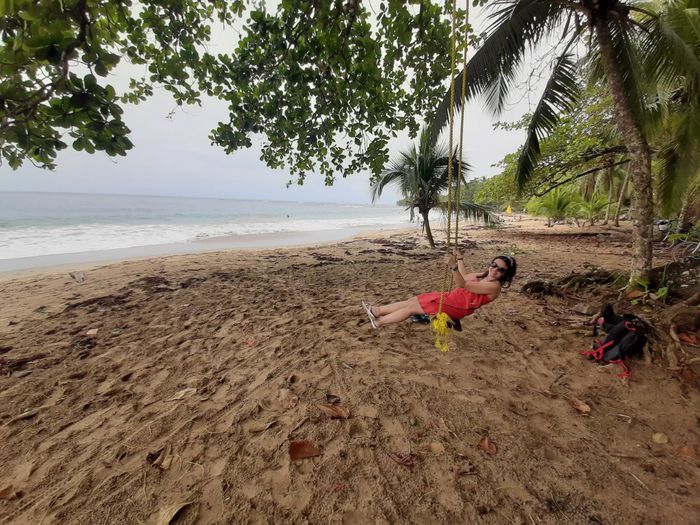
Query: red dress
x=457 y=303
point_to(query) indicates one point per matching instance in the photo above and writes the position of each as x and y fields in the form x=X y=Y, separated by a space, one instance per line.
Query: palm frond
x=560 y=94
x=679 y=159
x=672 y=44
x=395 y=174
x=478 y=213
x=516 y=25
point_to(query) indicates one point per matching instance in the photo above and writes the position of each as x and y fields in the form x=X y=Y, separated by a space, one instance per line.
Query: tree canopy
x=324 y=84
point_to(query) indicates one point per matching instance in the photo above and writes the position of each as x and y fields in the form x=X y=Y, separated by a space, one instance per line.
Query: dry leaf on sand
x=8 y=492
x=686 y=452
x=334 y=411
x=407 y=460
x=691 y=339
x=488 y=446
x=302 y=450
x=579 y=405
x=287 y=398
x=167 y=515
x=633 y=294
x=183 y=394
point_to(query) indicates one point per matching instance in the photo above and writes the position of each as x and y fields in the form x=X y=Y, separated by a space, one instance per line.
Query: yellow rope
x=440 y=321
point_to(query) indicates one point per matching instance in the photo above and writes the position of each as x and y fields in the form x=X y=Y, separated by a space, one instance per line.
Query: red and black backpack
x=626 y=337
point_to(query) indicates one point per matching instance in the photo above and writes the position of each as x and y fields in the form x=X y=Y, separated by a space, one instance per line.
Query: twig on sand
x=423 y=495
x=289 y=434
x=192 y=463
x=640 y=482
x=627 y=456
x=303 y=420
x=624 y=416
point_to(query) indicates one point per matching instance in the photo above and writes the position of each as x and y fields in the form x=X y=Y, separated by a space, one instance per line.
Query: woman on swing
x=473 y=291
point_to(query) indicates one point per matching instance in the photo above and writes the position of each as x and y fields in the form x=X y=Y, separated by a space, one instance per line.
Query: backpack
x=626 y=337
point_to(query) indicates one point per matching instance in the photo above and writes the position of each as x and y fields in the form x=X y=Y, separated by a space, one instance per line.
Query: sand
x=172 y=390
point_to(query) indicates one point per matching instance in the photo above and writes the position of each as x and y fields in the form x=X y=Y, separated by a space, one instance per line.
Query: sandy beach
x=181 y=390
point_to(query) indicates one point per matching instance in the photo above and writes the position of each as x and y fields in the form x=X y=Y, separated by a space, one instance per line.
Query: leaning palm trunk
x=610 y=195
x=428 y=231
x=621 y=199
x=640 y=163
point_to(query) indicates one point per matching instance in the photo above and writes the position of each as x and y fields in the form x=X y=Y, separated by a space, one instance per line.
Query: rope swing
x=441 y=322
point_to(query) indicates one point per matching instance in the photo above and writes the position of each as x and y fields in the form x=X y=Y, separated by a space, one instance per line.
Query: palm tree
x=612 y=31
x=422 y=176
x=593 y=209
x=556 y=205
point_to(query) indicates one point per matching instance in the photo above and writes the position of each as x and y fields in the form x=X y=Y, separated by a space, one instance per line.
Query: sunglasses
x=500 y=268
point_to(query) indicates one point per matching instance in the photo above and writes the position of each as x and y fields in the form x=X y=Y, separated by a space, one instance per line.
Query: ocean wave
x=39 y=241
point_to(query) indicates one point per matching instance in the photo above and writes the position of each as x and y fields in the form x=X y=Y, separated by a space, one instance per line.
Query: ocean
x=48 y=225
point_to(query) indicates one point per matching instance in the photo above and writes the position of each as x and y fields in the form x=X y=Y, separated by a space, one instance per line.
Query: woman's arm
x=469 y=281
x=462 y=269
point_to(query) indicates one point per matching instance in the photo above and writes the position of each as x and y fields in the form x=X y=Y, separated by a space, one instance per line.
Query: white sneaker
x=370 y=315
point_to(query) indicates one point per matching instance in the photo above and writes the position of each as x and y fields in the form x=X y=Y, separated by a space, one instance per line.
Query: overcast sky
x=173 y=157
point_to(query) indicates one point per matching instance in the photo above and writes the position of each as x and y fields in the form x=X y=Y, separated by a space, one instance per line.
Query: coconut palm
x=422 y=176
x=619 y=37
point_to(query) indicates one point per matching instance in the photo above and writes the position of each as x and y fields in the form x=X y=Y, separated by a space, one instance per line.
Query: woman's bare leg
x=379 y=311
x=397 y=312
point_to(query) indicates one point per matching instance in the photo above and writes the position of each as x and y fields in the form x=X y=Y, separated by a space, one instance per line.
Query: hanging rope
x=441 y=321
x=463 y=99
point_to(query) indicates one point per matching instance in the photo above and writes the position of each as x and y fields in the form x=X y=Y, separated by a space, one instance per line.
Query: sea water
x=46 y=224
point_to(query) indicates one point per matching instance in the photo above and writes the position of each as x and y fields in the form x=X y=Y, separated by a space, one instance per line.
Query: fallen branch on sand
x=13 y=364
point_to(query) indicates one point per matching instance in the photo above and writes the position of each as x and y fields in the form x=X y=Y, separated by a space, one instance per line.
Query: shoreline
x=44 y=265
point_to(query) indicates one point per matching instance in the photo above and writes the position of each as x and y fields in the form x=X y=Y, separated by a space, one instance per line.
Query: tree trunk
x=621 y=199
x=428 y=231
x=610 y=194
x=685 y=220
x=640 y=162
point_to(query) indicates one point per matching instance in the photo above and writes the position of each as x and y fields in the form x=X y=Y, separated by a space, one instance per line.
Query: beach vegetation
x=593 y=209
x=557 y=205
x=630 y=48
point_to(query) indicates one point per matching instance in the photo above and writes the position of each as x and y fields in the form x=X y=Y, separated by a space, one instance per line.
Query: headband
x=510 y=259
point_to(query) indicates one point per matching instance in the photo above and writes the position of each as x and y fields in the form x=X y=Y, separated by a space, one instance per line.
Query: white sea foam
x=38 y=241
x=46 y=224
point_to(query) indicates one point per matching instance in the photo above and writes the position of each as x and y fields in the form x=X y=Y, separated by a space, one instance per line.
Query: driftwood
x=13 y=364
x=682 y=317
x=540 y=288
x=594 y=277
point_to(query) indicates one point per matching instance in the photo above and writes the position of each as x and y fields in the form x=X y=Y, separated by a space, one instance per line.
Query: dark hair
x=508 y=275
